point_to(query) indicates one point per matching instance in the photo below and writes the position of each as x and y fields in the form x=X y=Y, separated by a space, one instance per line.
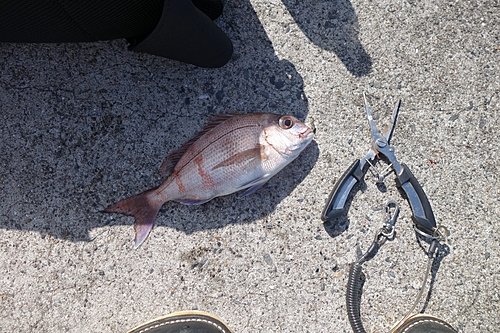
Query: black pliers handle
x=422 y=216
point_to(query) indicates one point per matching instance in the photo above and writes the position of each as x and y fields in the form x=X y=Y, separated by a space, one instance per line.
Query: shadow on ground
x=333 y=26
x=84 y=125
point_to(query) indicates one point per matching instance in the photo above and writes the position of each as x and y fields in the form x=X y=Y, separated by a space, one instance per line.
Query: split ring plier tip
x=381 y=149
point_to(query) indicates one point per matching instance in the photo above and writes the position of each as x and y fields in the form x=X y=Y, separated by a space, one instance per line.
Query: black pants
x=175 y=29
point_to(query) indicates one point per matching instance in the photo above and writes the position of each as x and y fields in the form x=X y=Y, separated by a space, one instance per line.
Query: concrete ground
x=84 y=125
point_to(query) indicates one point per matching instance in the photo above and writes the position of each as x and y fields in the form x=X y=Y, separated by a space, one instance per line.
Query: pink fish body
x=232 y=153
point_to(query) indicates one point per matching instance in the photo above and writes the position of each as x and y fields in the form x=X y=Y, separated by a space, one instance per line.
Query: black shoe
x=422 y=323
x=184 y=322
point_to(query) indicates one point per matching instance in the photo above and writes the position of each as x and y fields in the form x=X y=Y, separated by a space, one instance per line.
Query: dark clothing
x=34 y=21
x=174 y=29
x=196 y=41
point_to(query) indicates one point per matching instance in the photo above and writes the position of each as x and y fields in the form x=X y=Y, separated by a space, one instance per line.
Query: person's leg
x=48 y=21
x=186 y=34
x=174 y=29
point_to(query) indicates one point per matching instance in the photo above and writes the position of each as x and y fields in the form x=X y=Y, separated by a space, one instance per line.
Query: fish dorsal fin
x=172 y=159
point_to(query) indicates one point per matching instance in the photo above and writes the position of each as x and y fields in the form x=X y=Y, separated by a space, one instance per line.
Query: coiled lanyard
x=356 y=275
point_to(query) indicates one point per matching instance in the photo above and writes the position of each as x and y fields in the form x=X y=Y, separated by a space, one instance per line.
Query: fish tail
x=143 y=208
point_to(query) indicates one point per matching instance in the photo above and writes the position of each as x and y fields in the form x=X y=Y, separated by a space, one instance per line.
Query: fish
x=232 y=152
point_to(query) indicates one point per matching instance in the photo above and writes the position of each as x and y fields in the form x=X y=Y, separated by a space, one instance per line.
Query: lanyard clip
x=392 y=212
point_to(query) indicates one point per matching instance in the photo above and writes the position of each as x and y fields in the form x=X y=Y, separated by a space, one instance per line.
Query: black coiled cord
x=353 y=299
x=357 y=279
x=355 y=286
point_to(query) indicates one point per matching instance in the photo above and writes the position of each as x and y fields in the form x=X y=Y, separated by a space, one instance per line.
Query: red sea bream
x=232 y=153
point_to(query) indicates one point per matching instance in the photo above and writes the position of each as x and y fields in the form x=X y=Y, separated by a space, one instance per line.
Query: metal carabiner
x=388 y=229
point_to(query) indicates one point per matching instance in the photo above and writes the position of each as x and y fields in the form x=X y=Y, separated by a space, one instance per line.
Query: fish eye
x=286 y=122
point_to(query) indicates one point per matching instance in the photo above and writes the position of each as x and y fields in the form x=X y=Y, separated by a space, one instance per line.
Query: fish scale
x=231 y=153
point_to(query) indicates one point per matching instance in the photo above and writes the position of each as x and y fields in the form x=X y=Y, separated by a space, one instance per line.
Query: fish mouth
x=306 y=133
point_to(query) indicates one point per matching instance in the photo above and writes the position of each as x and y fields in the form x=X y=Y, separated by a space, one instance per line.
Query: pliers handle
x=422 y=214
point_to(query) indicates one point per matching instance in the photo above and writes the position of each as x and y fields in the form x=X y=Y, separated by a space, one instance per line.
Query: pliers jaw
x=381 y=143
x=384 y=138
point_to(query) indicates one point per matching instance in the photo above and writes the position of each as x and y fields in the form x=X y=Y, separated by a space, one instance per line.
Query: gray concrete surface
x=84 y=125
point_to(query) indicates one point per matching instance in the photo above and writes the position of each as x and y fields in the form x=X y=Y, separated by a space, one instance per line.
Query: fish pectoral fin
x=246 y=156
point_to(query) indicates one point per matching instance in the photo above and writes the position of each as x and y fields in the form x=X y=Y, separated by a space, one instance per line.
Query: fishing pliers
x=381 y=149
